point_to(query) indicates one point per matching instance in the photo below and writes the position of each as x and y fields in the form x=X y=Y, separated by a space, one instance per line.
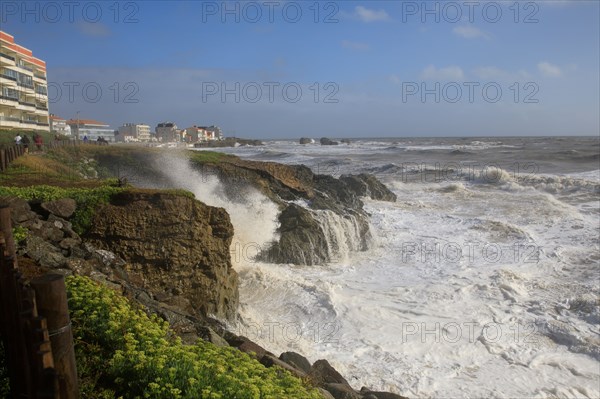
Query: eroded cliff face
x=175 y=247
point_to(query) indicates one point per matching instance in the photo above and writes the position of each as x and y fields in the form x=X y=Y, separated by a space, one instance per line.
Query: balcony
x=26 y=85
x=7 y=56
x=27 y=104
x=41 y=107
x=29 y=122
x=42 y=124
x=7 y=98
x=5 y=76
x=39 y=77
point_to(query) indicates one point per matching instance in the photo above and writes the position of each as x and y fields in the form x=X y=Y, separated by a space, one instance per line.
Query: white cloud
x=447 y=73
x=495 y=73
x=469 y=32
x=549 y=70
x=355 y=45
x=367 y=15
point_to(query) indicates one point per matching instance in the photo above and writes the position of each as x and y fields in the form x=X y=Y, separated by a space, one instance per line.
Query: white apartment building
x=23 y=88
x=168 y=132
x=59 y=125
x=134 y=132
x=91 y=129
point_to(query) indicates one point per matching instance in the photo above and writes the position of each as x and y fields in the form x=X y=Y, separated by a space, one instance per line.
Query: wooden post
x=51 y=300
x=6 y=230
x=2 y=159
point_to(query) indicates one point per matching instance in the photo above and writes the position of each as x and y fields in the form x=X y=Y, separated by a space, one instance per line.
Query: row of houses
x=24 y=106
x=133 y=132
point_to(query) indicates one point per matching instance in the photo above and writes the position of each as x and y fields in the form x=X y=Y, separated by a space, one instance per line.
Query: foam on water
x=479 y=288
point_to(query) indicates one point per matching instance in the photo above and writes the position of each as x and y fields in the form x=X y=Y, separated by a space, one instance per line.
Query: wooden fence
x=35 y=327
x=10 y=152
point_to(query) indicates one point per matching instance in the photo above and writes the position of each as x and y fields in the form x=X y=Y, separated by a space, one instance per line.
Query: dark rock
x=305 y=140
x=365 y=185
x=301 y=240
x=79 y=266
x=44 y=253
x=270 y=361
x=69 y=243
x=322 y=372
x=325 y=394
x=20 y=211
x=326 y=141
x=171 y=242
x=345 y=141
x=342 y=391
x=296 y=360
x=63 y=208
x=379 y=395
x=208 y=334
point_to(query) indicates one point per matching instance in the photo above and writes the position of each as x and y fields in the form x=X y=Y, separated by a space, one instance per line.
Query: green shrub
x=19 y=233
x=88 y=199
x=139 y=357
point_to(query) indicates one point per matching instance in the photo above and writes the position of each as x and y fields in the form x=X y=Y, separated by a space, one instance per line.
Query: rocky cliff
x=174 y=246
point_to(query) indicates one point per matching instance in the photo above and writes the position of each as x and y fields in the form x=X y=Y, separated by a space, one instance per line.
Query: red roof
x=56 y=118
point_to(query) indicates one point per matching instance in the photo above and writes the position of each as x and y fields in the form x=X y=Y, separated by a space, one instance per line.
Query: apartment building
x=134 y=132
x=59 y=125
x=23 y=88
x=168 y=132
x=93 y=130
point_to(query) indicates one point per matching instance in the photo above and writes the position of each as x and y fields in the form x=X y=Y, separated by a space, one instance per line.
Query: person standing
x=18 y=139
x=38 y=140
x=25 y=141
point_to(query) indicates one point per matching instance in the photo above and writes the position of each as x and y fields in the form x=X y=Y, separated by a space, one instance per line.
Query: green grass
x=202 y=157
x=122 y=351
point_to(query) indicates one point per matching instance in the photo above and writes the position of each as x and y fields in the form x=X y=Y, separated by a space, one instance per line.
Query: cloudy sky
x=285 y=69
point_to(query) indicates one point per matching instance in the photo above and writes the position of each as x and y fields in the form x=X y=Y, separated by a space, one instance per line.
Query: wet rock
x=379 y=395
x=322 y=372
x=365 y=185
x=326 y=141
x=305 y=140
x=296 y=360
x=342 y=391
x=63 y=208
x=301 y=240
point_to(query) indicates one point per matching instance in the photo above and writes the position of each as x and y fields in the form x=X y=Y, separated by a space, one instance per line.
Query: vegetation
x=19 y=233
x=202 y=157
x=121 y=351
x=88 y=199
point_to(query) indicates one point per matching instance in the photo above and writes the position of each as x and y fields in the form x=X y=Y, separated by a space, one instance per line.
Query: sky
x=289 y=69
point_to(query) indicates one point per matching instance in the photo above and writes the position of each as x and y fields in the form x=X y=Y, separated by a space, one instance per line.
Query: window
x=10 y=93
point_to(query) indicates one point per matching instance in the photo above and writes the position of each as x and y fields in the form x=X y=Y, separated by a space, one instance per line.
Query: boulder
x=322 y=372
x=270 y=361
x=365 y=185
x=379 y=395
x=305 y=140
x=63 y=208
x=44 y=253
x=301 y=240
x=20 y=211
x=342 y=391
x=296 y=360
x=326 y=141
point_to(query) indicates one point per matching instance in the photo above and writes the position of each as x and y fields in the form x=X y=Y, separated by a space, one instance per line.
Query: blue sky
x=285 y=69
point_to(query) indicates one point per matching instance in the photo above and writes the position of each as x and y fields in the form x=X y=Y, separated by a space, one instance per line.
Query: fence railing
x=10 y=152
x=35 y=327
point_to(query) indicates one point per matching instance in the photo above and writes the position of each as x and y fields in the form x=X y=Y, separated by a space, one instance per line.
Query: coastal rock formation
x=321 y=217
x=326 y=141
x=305 y=140
x=174 y=246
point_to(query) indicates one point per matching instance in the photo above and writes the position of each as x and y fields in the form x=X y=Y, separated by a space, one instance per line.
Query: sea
x=481 y=281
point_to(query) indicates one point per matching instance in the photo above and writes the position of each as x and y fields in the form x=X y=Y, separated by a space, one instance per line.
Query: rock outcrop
x=313 y=207
x=327 y=141
x=174 y=246
x=305 y=140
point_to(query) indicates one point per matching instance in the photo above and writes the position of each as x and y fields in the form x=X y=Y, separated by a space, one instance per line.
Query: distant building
x=23 y=88
x=59 y=125
x=168 y=132
x=195 y=134
x=91 y=129
x=214 y=133
x=134 y=132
